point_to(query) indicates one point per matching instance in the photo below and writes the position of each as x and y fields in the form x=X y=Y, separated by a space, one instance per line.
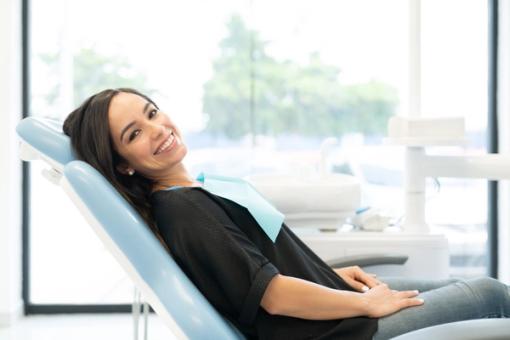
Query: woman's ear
x=125 y=169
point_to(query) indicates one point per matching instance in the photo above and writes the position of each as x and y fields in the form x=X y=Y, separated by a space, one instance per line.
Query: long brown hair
x=89 y=130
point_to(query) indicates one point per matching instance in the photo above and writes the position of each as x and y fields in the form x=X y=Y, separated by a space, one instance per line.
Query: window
x=454 y=72
x=256 y=87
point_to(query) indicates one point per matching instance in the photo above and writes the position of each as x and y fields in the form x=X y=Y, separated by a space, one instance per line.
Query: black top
x=223 y=250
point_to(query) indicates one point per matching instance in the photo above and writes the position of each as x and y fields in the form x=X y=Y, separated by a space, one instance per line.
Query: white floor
x=82 y=327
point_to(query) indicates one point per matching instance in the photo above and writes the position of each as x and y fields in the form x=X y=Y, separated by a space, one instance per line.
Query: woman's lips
x=167 y=145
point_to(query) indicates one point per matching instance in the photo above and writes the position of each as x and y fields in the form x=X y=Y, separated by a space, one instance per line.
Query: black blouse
x=223 y=250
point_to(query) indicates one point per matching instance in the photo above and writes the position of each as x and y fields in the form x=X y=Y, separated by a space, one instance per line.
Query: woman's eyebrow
x=125 y=129
x=145 y=108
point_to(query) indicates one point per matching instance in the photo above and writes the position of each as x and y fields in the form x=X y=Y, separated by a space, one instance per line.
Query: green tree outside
x=94 y=72
x=287 y=98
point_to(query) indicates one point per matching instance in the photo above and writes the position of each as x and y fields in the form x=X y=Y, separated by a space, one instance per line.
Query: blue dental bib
x=243 y=193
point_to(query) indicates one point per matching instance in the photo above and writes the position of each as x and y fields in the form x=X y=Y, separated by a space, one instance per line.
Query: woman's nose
x=157 y=130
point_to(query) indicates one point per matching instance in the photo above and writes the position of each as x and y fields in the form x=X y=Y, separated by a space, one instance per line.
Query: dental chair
x=164 y=286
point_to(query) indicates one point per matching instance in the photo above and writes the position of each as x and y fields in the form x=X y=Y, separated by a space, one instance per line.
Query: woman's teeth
x=166 y=144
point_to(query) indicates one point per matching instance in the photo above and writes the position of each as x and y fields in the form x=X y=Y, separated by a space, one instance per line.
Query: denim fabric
x=445 y=301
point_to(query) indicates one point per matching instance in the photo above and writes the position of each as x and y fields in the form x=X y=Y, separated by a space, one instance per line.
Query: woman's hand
x=291 y=296
x=355 y=277
x=382 y=301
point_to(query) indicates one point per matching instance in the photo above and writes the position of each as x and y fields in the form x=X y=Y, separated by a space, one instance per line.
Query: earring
x=131 y=172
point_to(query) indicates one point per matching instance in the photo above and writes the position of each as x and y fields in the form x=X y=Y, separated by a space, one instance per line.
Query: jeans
x=445 y=301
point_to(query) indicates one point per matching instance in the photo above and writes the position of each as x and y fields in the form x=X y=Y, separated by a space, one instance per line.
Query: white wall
x=504 y=137
x=10 y=166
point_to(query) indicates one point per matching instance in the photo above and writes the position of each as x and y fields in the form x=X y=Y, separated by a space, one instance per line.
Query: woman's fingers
x=409 y=298
x=411 y=302
x=358 y=279
x=368 y=279
x=408 y=293
x=359 y=286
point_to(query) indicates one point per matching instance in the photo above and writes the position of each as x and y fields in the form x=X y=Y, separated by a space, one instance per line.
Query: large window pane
x=454 y=68
x=255 y=86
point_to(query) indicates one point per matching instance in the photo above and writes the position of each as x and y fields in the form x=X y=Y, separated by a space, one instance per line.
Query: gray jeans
x=445 y=301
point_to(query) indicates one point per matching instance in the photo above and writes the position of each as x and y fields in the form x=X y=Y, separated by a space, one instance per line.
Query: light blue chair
x=163 y=284
x=479 y=329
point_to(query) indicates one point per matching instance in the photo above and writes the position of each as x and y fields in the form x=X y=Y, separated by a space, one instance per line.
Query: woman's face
x=146 y=138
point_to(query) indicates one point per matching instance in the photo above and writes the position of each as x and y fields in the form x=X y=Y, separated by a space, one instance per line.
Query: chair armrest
x=479 y=329
x=367 y=260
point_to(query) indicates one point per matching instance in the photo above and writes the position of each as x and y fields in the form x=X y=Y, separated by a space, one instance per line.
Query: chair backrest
x=163 y=284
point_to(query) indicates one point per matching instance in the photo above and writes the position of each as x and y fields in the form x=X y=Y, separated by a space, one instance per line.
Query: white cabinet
x=428 y=253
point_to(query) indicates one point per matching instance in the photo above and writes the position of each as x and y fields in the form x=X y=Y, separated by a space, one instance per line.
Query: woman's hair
x=89 y=129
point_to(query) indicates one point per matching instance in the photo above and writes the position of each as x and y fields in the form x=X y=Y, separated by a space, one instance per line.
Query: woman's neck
x=179 y=176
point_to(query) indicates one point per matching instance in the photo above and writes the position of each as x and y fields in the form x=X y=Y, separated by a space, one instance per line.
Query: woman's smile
x=168 y=144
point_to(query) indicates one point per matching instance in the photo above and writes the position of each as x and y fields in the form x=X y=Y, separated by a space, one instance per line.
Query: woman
x=269 y=290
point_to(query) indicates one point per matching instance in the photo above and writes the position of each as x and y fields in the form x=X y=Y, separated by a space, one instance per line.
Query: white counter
x=428 y=253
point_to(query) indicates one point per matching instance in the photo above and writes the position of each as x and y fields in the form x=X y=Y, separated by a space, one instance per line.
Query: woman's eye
x=133 y=135
x=152 y=113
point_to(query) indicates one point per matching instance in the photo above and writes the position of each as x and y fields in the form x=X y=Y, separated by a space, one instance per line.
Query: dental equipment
x=418 y=133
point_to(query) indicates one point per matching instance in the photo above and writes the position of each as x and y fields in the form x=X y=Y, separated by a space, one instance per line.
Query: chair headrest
x=45 y=139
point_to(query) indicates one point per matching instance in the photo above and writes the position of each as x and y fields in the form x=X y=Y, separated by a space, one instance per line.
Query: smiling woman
x=147 y=140
x=92 y=141
x=137 y=148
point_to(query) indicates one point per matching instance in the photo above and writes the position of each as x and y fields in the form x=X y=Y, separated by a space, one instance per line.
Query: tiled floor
x=82 y=327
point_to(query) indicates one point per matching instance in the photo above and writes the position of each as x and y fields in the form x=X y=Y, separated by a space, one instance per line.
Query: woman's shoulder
x=175 y=204
x=176 y=195
x=182 y=201
x=185 y=211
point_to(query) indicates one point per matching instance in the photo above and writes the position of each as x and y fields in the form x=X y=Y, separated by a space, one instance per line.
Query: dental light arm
x=416 y=134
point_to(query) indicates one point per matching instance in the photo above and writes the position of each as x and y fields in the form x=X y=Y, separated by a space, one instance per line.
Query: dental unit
x=418 y=133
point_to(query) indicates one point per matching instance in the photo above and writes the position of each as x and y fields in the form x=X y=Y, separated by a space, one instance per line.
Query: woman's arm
x=299 y=298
